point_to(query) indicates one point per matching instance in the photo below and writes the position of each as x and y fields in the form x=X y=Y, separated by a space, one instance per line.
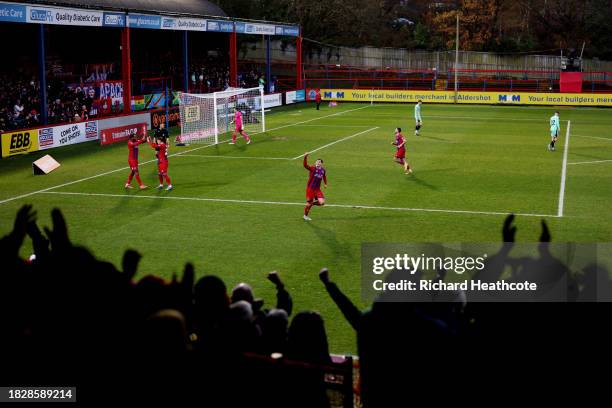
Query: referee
x=161 y=132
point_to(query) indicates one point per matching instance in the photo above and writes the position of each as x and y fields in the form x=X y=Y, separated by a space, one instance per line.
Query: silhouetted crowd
x=69 y=318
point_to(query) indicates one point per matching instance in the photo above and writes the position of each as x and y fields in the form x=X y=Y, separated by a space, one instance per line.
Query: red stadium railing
x=333 y=76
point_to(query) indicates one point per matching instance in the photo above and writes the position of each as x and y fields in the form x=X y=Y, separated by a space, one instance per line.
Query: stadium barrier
x=480 y=80
x=122 y=133
x=47 y=137
x=295 y=96
x=483 y=98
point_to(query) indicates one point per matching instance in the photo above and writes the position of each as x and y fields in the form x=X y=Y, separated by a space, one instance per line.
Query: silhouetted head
x=210 y=292
x=242 y=291
x=241 y=312
x=274 y=330
x=165 y=332
x=307 y=340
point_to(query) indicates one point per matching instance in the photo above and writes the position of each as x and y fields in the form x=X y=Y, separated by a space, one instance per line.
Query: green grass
x=469 y=158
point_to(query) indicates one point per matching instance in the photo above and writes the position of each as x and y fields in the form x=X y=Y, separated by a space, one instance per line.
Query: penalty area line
x=235 y=157
x=337 y=141
x=287 y=203
x=591 y=162
x=44 y=190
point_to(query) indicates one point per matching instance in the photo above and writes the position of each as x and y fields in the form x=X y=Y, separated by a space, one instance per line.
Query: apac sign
x=486 y=98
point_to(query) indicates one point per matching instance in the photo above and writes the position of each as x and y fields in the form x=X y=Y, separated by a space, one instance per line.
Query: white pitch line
x=44 y=190
x=608 y=139
x=287 y=203
x=591 y=162
x=564 y=171
x=236 y=157
x=337 y=126
x=337 y=141
x=319 y=118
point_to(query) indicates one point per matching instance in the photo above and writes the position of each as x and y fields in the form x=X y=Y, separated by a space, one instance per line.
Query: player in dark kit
x=160 y=146
x=133 y=144
x=400 y=155
x=161 y=132
x=314 y=195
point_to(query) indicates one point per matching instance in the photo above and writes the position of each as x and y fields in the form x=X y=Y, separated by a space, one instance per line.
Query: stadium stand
x=154 y=334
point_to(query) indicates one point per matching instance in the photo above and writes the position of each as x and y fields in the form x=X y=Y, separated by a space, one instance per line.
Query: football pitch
x=236 y=210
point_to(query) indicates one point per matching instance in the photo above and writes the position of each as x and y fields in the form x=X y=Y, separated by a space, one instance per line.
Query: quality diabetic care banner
x=486 y=98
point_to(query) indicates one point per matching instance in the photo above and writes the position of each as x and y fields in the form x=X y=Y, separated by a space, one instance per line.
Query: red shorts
x=133 y=164
x=239 y=129
x=400 y=154
x=311 y=194
x=162 y=167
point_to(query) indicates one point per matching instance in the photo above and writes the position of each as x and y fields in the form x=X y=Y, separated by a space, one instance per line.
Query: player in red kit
x=133 y=144
x=314 y=195
x=160 y=146
x=400 y=155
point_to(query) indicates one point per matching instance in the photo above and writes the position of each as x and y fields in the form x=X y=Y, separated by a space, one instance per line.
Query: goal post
x=209 y=118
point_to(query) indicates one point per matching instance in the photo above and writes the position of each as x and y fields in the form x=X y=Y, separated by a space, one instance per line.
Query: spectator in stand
x=18 y=109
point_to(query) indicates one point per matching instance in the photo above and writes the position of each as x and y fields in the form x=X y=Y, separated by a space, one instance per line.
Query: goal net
x=208 y=118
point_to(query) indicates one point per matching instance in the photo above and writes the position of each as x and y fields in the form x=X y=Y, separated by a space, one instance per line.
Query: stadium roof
x=195 y=7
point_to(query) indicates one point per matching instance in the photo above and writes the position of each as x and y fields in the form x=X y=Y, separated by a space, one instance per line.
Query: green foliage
x=486 y=25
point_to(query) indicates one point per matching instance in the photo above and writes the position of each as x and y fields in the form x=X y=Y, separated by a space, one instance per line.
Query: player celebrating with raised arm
x=314 y=195
x=555 y=127
x=417 y=117
x=160 y=146
x=133 y=144
x=239 y=128
x=400 y=155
